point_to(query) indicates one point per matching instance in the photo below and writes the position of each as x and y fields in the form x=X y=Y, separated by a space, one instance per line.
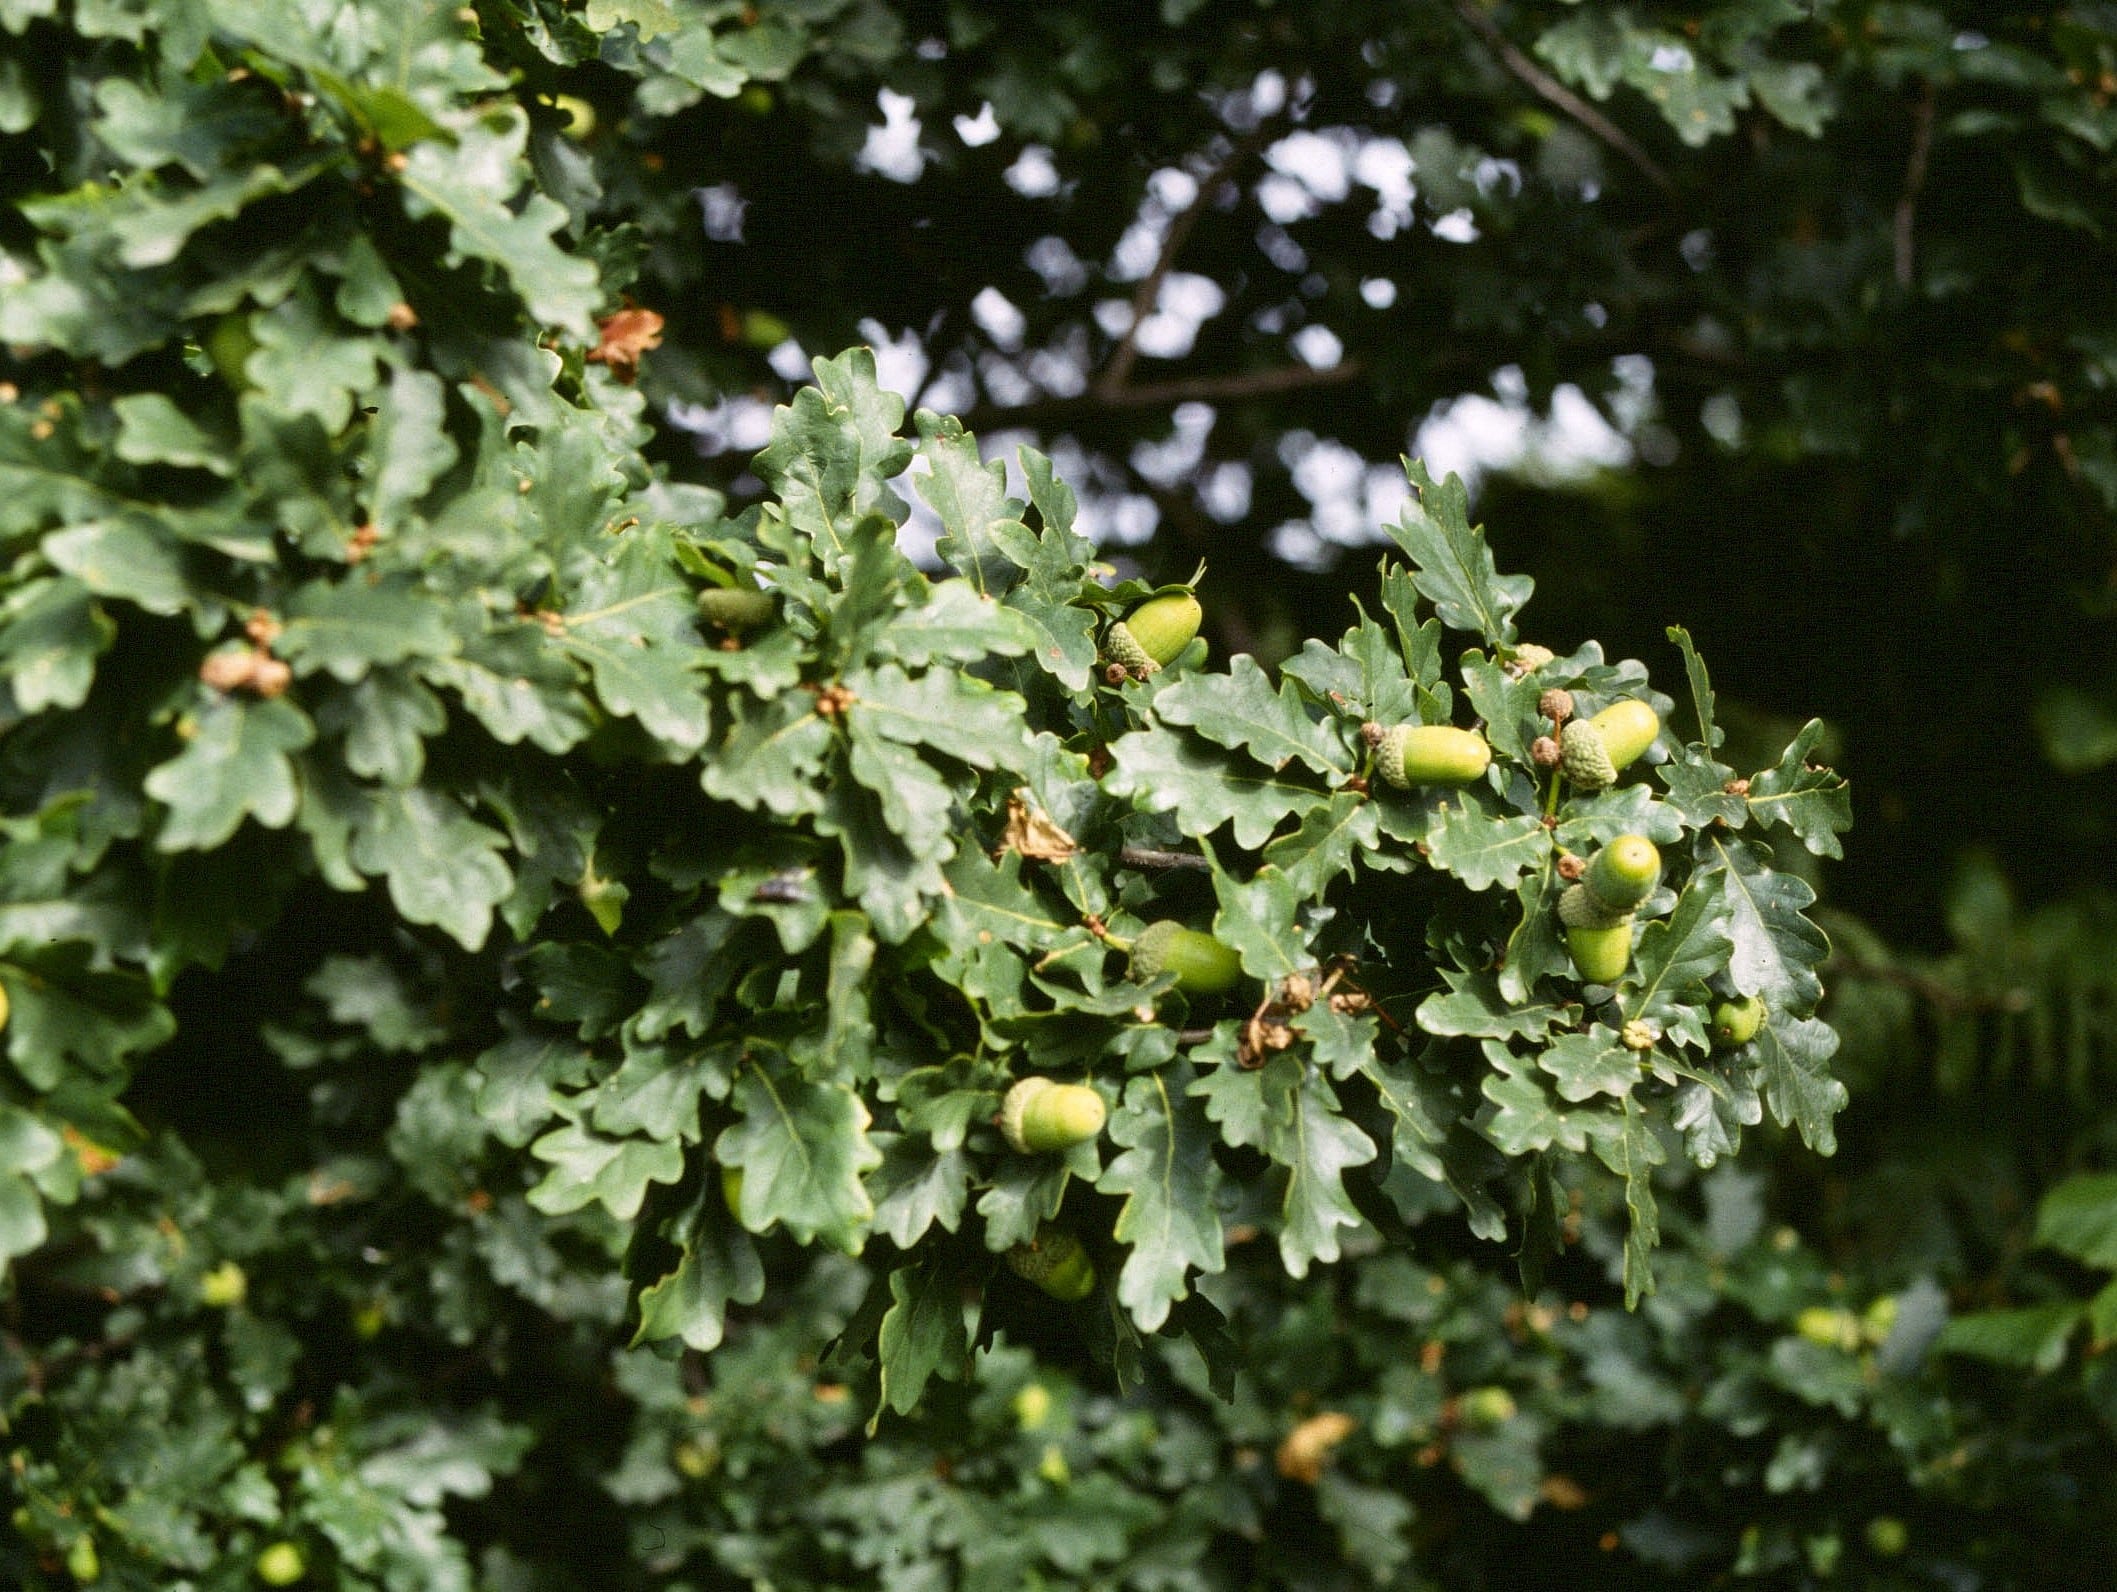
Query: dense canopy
x=583 y=815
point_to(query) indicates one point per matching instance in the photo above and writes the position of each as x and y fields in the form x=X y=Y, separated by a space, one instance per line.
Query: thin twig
x=1149 y=857
x=1551 y=90
x=1907 y=206
x=1118 y=369
x=1161 y=394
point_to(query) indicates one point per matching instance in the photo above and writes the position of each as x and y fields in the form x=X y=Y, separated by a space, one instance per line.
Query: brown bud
x=228 y=671
x=1556 y=705
x=1115 y=674
x=1372 y=733
x=271 y=677
x=1570 y=867
x=1736 y=787
x=1544 y=752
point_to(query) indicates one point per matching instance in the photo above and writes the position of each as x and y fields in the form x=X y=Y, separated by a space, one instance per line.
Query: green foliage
x=515 y=933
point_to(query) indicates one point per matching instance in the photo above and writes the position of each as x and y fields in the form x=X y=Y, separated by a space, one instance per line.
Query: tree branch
x=1042 y=412
x=1118 y=369
x=1907 y=206
x=1553 y=92
x=1149 y=857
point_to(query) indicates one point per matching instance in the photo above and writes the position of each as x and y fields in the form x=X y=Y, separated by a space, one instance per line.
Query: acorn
x=1627 y=729
x=1431 y=754
x=1038 y=1115
x=1202 y=965
x=281 y=1564
x=224 y=1287
x=1056 y=1262
x=1601 y=954
x=1487 y=1407
x=1155 y=633
x=1624 y=872
x=737 y=608
x=1736 y=1022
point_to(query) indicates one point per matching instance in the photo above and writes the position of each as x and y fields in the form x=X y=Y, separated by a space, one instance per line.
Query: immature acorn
x=1431 y=754
x=1624 y=872
x=1056 y=1262
x=1155 y=633
x=737 y=608
x=1736 y=1022
x=1202 y=965
x=1627 y=729
x=281 y=1564
x=1038 y=1115
x=1594 y=749
x=1601 y=954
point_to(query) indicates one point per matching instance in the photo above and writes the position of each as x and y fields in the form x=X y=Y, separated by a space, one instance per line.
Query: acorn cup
x=1578 y=908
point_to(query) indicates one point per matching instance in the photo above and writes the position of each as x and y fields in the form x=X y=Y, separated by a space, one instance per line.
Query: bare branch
x=1234 y=385
x=1118 y=369
x=1553 y=92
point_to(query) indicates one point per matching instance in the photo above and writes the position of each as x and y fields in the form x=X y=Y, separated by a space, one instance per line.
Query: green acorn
x=1601 y=954
x=1583 y=757
x=83 y=1563
x=1736 y=1022
x=1056 y=1262
x=281 y=1564
x=1431 y=754
x=1579 y=909
x=1627 y=729
x=1624 y=872
x=1038 y=1115
x=229 y=345
x=1155 y=633
x=1202 y=965
x=224 y=1287
x=737 y=608
x=1487 y=1407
